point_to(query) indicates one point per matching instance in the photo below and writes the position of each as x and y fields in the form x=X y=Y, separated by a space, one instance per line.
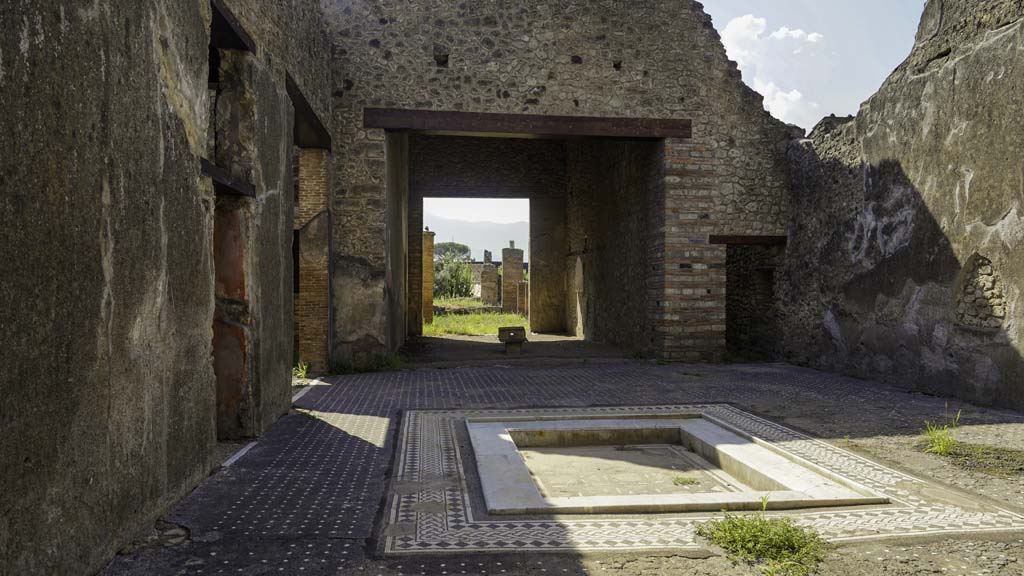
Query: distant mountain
x=480 y=236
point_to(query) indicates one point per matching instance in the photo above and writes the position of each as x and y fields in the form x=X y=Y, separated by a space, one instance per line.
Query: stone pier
x=511 y=276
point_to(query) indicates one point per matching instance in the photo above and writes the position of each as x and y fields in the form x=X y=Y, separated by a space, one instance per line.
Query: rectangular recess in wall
x=309 y=130
x=749 y=240
x=524 y=125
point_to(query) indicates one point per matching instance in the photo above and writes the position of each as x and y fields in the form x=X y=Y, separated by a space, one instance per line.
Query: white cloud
x=784 y=33
x=780 y=103
x=741 y=36
x=764 y=59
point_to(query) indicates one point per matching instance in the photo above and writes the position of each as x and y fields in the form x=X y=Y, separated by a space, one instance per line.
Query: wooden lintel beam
x=224 y=183
x=537 y=125
x=309 y=130
x=749 y=240
x=227 y=32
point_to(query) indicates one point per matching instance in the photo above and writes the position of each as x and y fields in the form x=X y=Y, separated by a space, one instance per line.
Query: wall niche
x=980 y=303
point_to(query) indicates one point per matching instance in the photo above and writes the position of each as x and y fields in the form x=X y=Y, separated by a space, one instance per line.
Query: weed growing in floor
x=481 y=323
x=388 y=363
x=300 y=370
x=684 y=481
x=991 y=460
x=941 y=440
x=782 y=548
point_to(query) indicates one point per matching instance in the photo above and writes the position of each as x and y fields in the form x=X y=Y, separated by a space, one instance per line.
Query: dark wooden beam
x=749 y=240
x=523 y=125
x=309 y=130
x=226 y=31
x=223 y=183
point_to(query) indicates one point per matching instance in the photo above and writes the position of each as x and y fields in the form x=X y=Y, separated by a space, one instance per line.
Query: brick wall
x=311 y=220
x=311 y=179
x=614 y=261
x=428 y=277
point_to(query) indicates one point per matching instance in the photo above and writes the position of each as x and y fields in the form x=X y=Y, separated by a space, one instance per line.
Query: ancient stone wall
x=906 y=239
x=613 y=208
x=397 y=279
x=106 y=233
x=658 y=59
x=546 y=293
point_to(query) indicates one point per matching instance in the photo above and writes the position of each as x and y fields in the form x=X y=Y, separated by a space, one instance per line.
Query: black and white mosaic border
x=439 y=517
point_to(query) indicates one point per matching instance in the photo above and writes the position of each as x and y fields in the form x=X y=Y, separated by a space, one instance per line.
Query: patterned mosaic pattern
x=306 y=498
x=439 y=516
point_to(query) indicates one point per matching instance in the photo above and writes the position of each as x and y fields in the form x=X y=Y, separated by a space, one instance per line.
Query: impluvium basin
x=681 y=463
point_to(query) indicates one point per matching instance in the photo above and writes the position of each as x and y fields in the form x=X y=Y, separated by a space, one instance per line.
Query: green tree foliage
x=459 y=251
x=453 y=277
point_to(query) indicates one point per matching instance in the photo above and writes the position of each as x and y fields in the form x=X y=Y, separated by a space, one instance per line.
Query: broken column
x=489 y=285
x=511 y=276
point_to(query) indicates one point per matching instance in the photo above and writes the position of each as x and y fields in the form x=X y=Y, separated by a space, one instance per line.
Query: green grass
x=459 y=303
x=941 y=440
x=684 y=481
x=782 y=548
x=472 y=324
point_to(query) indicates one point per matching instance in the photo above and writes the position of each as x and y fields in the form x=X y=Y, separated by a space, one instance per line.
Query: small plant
x=684 y=481
x=941 y=440
x=300 y=370
x=783 y=548
x=387 y=363
x=380 y=363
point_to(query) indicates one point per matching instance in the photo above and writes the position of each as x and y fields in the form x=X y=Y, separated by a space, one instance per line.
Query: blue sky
x=809 y=58
x=812 y=58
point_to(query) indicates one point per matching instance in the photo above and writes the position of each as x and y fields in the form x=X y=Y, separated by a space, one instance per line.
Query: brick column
x=414 y=273
x=691 y=325
x=311 y=220
x=428 y=277
x=511 y=276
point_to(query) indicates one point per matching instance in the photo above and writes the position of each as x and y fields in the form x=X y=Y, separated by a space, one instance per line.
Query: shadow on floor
x=462 y=350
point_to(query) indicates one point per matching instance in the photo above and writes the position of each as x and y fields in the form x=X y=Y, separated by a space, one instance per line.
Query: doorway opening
x=578 y=281
x=752 y=323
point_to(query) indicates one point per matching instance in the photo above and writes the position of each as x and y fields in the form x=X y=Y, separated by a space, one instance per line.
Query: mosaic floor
x=309 y=497
x=433 y=507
